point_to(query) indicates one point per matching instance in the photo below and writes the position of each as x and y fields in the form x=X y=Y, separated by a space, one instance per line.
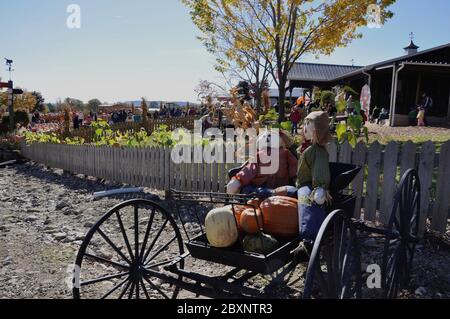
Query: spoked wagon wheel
x=334 y=270
x=402 y=235
x=133 y=239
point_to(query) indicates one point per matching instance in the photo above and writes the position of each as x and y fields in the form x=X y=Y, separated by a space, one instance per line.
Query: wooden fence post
x=389 y=181
x=426 y=170
x=442 y=202
x=374 y=165
x=359 y=158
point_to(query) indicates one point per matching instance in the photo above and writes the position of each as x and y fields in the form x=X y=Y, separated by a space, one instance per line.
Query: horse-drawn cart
x=137 y=250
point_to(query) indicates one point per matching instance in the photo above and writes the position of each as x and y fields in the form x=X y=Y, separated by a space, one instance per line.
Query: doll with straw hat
x=313 y=177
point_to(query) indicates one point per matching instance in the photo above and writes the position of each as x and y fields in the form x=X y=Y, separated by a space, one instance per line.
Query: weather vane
x=9 y=63
x=411 y=36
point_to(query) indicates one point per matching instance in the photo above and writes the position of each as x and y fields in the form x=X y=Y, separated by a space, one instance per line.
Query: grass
x=416 y=139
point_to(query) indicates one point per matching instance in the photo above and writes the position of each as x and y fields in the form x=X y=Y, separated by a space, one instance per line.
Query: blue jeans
x=264 y=192
x=310 y=215
x=294 y=128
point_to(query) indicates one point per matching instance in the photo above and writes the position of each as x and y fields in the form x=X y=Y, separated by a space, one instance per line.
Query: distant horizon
x=148 y=48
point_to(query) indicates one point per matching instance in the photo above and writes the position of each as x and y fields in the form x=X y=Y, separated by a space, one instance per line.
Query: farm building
x=396 y=84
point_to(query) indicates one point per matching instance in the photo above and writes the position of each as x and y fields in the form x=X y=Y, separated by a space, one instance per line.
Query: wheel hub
x=137 y=271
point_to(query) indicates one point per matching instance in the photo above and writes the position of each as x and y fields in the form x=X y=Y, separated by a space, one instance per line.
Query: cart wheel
x=117 y=253
x=334 y=270
x=402 y=235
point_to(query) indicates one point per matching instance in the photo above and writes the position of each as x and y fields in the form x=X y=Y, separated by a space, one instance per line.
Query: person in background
x=412 y=116
x=207 y=121
x=350 y=105
x=88 y=119
x=137 y=118
x=426 y=103
x=130 y=118
x=421 y=117
x=375 y=114
x=296 y=118
x=314 y=107
x=76 y=121
x=384 y=115
x=81 y=118
x=330 y=109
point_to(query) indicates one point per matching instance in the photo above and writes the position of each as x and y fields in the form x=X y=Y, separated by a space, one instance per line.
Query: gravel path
x=45 y=214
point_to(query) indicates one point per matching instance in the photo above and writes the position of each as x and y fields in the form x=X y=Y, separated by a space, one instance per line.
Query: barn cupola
x=411 y=48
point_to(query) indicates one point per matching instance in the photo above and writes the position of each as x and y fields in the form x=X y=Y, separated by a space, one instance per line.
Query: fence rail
x=374 y=187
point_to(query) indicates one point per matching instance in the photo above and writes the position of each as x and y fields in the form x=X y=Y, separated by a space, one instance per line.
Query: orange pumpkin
x=255 y=202
x=249 y=222
x=238 y=210
x=280 y=216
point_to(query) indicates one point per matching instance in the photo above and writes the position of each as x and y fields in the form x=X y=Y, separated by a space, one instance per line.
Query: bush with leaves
x=352 y=130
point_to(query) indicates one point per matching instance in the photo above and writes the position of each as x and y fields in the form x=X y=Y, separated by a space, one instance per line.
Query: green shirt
x=314 y=168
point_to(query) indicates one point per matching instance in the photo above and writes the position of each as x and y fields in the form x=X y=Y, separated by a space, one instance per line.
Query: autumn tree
x=93 y=105
x=39 y=106
x=283 y=31
x=25 y=102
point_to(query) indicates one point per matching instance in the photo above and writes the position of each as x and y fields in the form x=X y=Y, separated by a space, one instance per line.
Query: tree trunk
x=258 y=100
x=281 y=101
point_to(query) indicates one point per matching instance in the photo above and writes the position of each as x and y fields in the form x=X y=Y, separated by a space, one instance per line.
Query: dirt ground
x=45 y=215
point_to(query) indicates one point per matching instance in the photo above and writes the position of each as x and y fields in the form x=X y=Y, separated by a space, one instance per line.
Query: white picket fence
x=374 y=187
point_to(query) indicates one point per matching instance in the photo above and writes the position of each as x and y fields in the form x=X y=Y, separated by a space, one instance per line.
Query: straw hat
x=321 y=122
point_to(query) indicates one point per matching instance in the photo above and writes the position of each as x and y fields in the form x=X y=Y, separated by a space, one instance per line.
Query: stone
x=60 y=236
x=7 y=261
x=79 y=236
x=61 y=205
x=88 y=224
x=105 y=254
x=31 y=218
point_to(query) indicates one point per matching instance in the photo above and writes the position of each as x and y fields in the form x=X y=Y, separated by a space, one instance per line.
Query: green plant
x=351 y=130
x=270 y=117
x=327 y=97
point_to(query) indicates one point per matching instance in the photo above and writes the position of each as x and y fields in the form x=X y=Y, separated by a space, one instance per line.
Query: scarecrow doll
x=252 y=179
x=313 y=177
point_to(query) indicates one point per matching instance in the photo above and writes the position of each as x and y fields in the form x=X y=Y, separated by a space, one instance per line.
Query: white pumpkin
x=220 y=227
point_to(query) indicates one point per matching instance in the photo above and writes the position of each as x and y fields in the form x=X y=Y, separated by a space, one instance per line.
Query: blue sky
x=128 y=49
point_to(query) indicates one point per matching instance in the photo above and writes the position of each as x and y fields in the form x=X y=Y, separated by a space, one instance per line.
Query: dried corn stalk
x=242 y=115
x=266 y=101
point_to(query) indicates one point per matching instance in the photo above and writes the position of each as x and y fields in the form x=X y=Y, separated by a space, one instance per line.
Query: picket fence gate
x=374 y=187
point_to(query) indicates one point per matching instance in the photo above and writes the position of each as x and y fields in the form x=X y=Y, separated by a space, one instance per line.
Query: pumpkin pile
x=276 y=216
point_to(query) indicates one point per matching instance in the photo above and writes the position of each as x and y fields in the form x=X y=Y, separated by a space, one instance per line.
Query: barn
x=396 y=84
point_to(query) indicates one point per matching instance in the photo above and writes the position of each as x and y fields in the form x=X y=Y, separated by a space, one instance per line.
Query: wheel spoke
x=106 y=261
x=106 y=238
x=137 y=290
x=124 y=291
x=161 y=263
x=155 y=287
x=147 y=233
x=144 y=289
x=136 y=236
x=124 y=235
x=161 y=250
x=155 y=239
x=116 y=287
x=130 y=293
x=95 y=281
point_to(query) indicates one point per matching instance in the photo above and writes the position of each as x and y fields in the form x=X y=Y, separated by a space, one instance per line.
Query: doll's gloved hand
x=234 y=187
x=320 y=196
